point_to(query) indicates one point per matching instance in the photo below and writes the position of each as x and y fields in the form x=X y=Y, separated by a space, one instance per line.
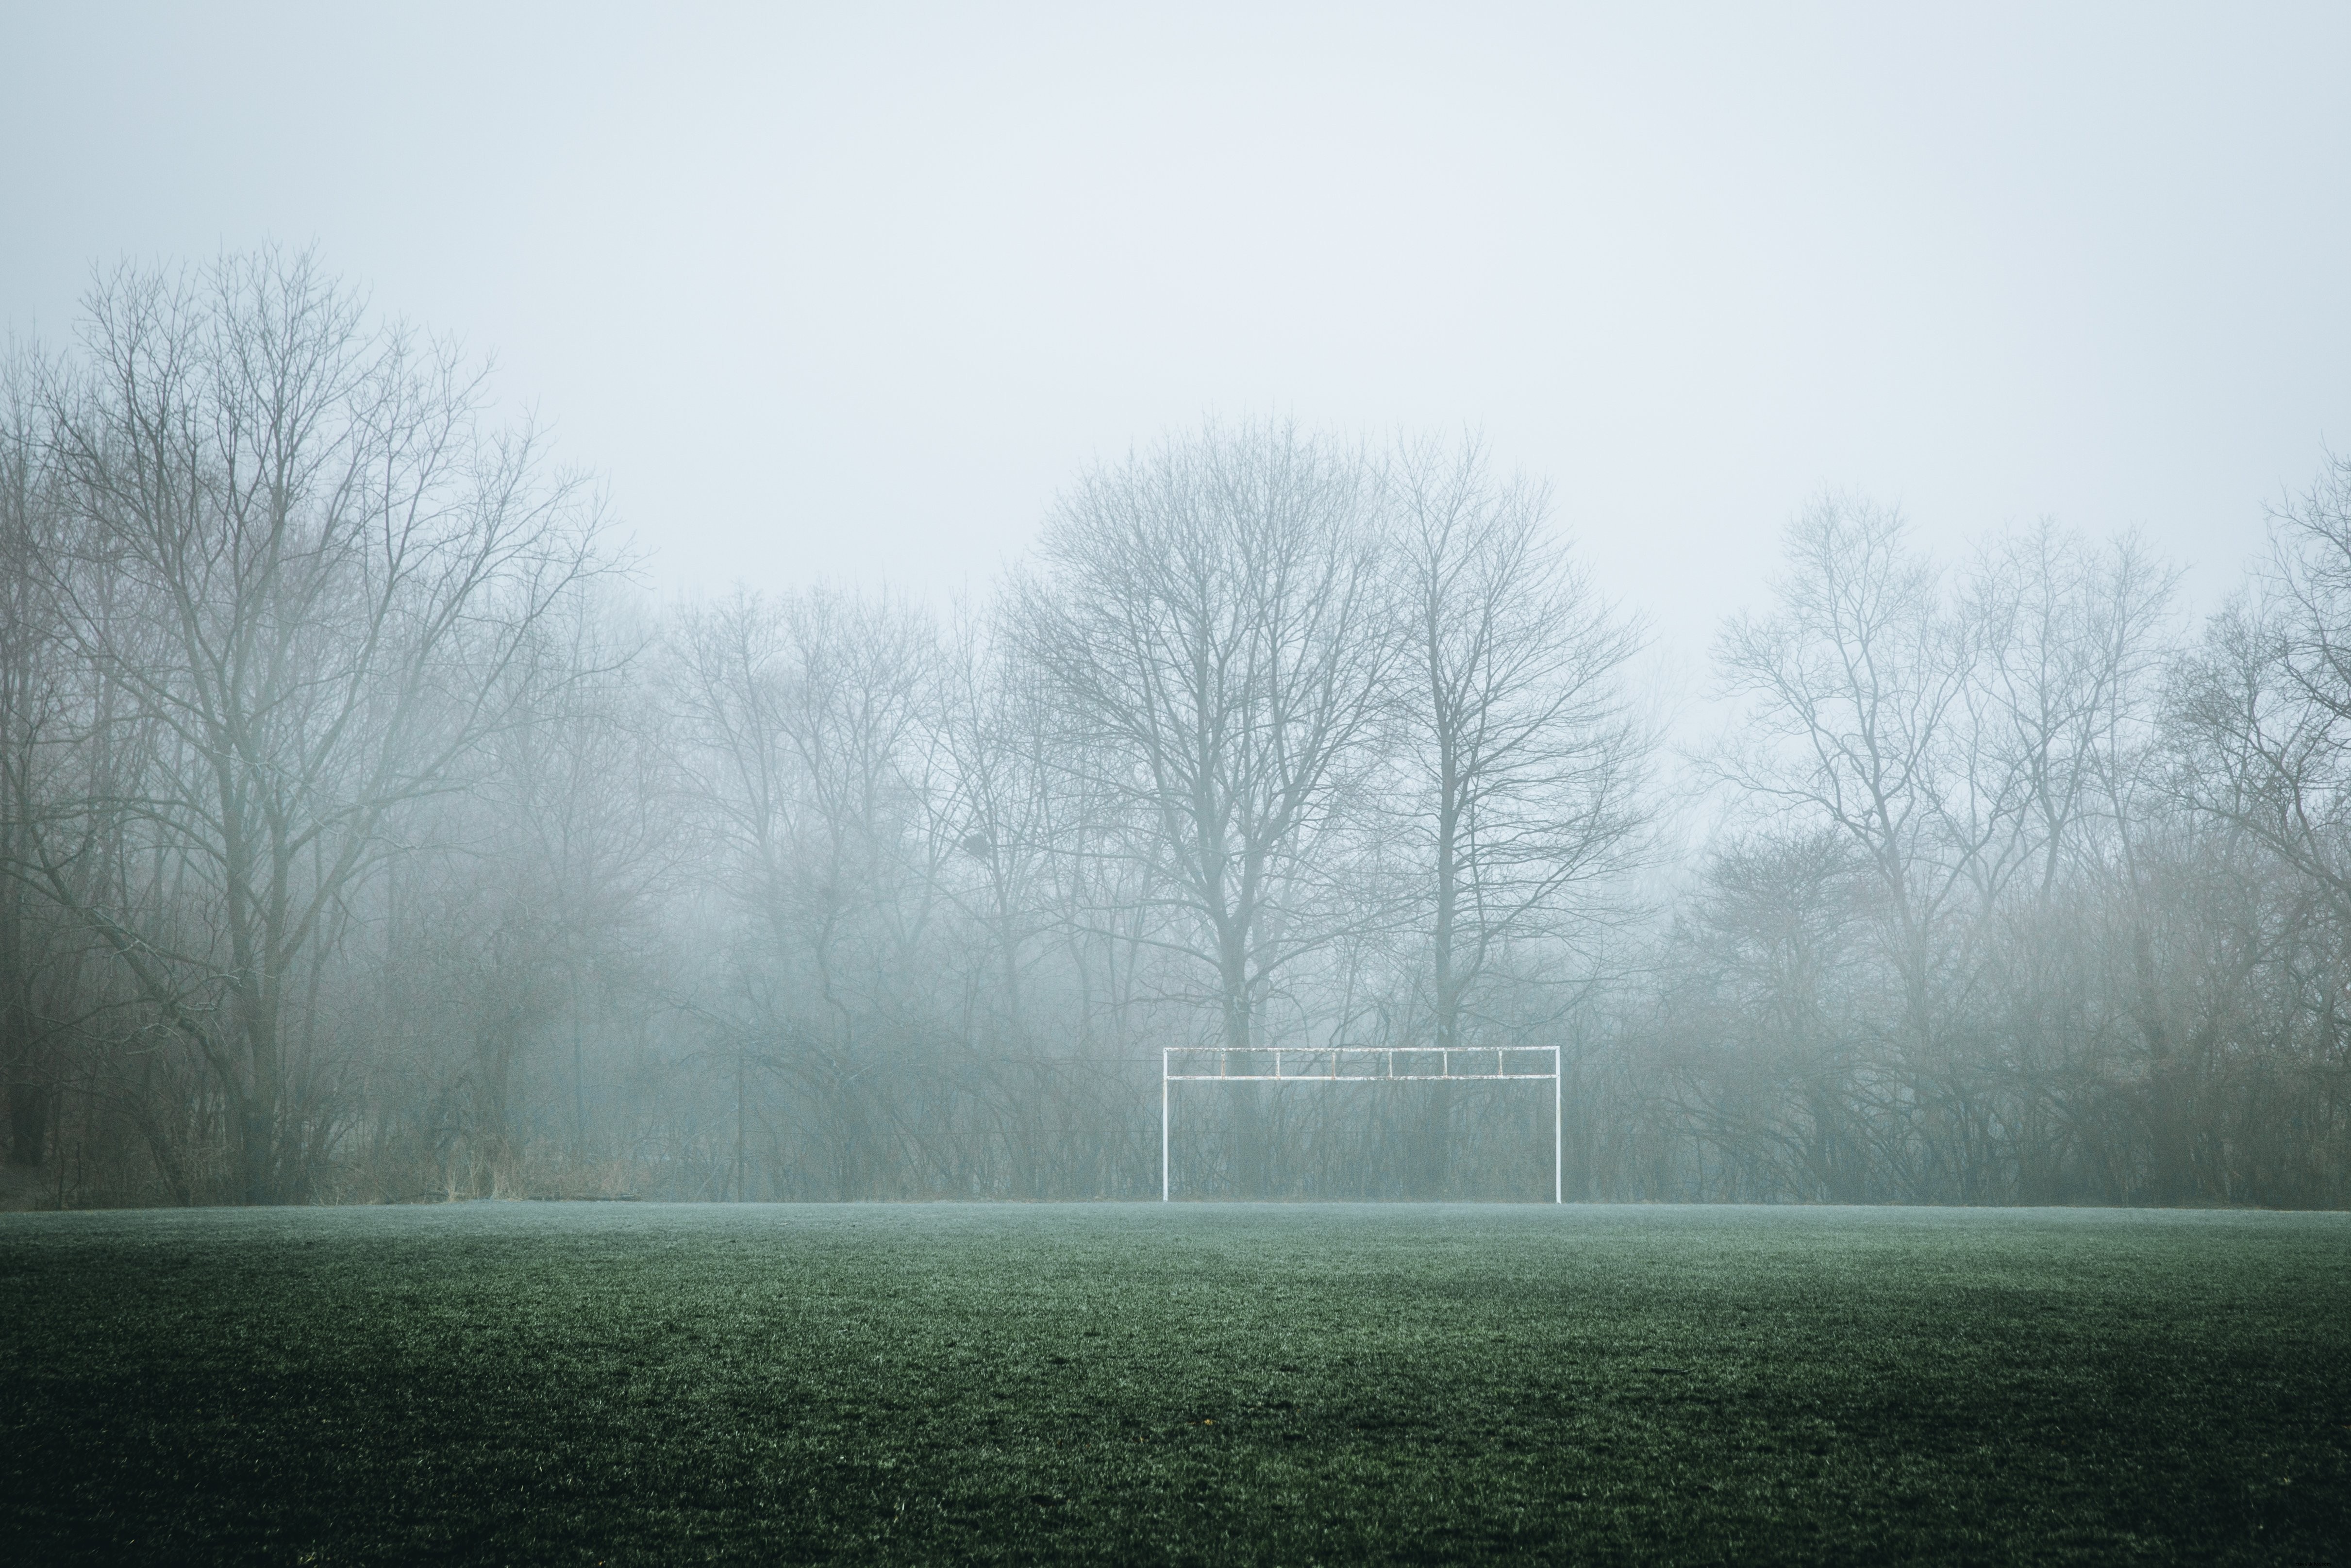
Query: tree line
x=368 y=837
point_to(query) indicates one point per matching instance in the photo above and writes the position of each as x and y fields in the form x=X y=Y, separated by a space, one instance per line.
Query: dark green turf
x=1210 y=1385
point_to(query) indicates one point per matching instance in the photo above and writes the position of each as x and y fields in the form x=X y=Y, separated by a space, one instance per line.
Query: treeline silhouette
x=368 y=838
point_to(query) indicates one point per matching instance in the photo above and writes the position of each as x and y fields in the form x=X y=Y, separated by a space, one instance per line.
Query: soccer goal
x=1363 y=1064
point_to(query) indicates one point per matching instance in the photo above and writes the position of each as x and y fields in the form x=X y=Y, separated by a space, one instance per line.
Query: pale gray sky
x=849 y=291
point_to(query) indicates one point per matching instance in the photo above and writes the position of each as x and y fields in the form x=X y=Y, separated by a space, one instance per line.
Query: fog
x=1795 y=560
x=839 y=296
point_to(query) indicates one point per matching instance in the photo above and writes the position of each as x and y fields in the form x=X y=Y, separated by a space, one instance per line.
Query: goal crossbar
x=1328 y=1064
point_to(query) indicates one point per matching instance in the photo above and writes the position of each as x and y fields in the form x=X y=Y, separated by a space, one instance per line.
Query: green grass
x=1201 y=1384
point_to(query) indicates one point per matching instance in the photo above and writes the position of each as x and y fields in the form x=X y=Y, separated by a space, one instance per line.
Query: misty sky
x=848 y=292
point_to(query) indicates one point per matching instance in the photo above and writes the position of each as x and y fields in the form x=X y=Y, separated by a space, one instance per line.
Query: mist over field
x=368 y=840
x=1786 y=579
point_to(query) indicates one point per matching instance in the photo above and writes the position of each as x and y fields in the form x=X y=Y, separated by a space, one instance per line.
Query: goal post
x=1367 y=1064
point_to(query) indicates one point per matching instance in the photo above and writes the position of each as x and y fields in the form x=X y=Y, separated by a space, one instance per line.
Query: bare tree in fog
x=1853 y=692
x=36 y=955
x=1213 y=618
x=997 y=809
x=535 y=893
x=2091 y=976
x=2268 y=698
x=298 y=571
x=1525 y=755
x=1771 y=1059
x=2070 y=640
x=2261 y=735
x=806 y=723
x=1520 y=758
x=2069 y=646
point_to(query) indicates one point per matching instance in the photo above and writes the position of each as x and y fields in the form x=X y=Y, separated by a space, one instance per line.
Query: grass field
x=1200 y=1384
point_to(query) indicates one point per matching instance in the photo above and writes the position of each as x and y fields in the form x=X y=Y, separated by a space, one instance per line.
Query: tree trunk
x=29 y=1123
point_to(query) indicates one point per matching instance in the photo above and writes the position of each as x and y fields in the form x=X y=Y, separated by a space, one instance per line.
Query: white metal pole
x=1558 y=1130
x=1163 y=1125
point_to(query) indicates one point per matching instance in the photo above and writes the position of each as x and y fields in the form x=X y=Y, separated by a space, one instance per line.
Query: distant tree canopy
x=363 y=839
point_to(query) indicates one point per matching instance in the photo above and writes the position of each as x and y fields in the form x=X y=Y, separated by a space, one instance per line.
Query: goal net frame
x=1323 y=1064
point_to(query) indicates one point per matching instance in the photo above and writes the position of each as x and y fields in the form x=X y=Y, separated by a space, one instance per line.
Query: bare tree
x=304 y=570
x=808 y=746
x=1848 y=693
x=1525 y=756
x=2070 y=640
x=2268 y=700
x=32 y=705
x=1212 y=618
x=1766 y=973
x=1856 y=697
x=542 y=876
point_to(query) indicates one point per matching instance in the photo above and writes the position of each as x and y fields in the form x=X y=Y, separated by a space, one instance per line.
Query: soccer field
x=1194 y=1384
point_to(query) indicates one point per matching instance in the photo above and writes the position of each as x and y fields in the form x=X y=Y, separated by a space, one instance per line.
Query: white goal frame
x=1322 y=1066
